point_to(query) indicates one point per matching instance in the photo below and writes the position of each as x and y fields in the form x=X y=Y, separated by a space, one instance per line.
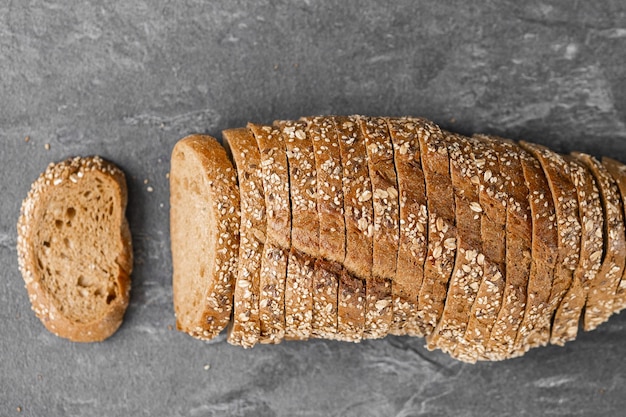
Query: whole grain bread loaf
x=485 y=246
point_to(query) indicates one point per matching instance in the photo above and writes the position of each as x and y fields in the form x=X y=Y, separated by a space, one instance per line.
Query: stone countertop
x=126 y=80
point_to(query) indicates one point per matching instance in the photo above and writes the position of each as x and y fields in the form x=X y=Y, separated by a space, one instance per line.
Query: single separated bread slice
x=204 y=227
x=245 y=326
x=74 y=248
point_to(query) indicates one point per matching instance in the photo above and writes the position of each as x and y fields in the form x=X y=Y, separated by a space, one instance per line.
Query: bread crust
x=325 y=295
x=275 y=174
x=441 y=225
x=618 y=172
x=305 y=227
x=219 y=178
x=600 y=299
x=385 y=198
x=413 y=227
x=298 y=295
x=245 y=326
x=332 y=228
x=56 y=179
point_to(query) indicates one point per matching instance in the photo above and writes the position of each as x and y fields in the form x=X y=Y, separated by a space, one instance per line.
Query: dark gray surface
x=126 y=80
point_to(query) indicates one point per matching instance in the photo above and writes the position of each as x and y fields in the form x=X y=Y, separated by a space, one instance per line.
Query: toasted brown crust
x=493 y=201
x=413 y=237
x=350 y=307
x=378 y=311
x=468 y=266
x=441 y=225
x=599 y=304
x=357 y=194
x=275 y=174
x=302 y=186
x=219 y=178
x=618 y=172
x=325 y=292
x=272 y=280
x=565 y=324
x=518 y=241
x=535 y=327
x=61 y=178
x=245 y=326
x=564 y=194
x=332 y=227
x=298 y=295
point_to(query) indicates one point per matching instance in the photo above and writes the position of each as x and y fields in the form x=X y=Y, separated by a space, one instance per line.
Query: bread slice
x=332 y=227
x=74 y=248
x=468 y=265
x=357 y=192
x=273 y=271
x=441 y=225
x=618 y=172
x=303 y=186
x=565 y=324
x=325 y=295
x=565 y=198
x=493 y=201
x=518 y=247
x=275 y=174
x=204 y=227
x=245 y=326
x=359 y=219
x=378 y=310
x=599 y=304
x=535 y=327
x=413 y=231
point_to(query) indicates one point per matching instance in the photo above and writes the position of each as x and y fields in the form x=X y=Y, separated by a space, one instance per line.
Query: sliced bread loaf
x=74 y=248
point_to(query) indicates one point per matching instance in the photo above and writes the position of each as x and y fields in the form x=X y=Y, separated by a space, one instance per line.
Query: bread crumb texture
x=74 y=248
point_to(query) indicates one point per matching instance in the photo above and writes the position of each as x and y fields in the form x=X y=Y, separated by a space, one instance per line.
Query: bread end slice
x=204 y=226
x=74 y=248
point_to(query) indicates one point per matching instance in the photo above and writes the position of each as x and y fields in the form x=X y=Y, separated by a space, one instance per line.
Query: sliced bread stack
x=353 y=228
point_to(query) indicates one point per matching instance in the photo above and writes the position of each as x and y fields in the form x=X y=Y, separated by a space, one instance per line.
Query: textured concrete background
x=126 y=80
